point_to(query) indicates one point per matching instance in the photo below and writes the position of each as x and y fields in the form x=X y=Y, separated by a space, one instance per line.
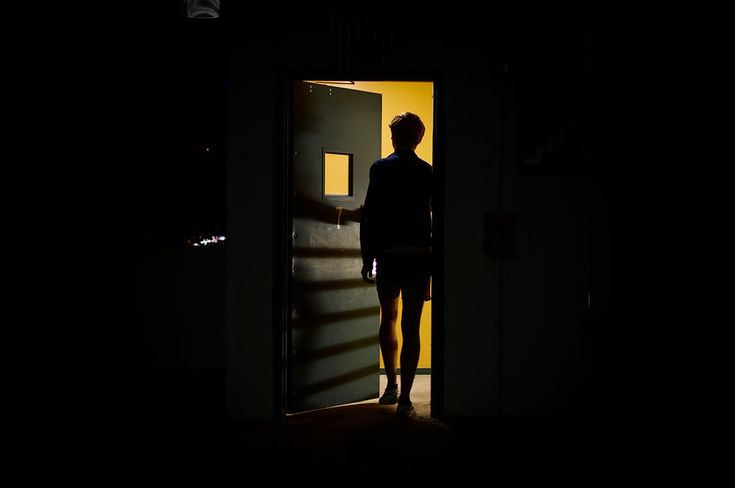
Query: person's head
x=406 y=130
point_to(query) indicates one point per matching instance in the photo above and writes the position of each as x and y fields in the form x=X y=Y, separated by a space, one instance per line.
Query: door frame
x=283 y=221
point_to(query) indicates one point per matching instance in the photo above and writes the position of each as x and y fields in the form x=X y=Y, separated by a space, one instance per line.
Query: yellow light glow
x=336 y=174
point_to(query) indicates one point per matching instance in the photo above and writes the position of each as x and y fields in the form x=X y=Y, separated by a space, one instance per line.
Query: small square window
x=337 y=175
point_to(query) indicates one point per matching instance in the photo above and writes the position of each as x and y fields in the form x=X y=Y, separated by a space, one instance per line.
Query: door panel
x=546 y=350
x=333 y=341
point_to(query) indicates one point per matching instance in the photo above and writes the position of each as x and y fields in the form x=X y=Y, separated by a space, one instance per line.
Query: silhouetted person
x=395 y=231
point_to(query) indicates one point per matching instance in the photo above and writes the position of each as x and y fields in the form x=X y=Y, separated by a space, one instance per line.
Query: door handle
x=339 y=215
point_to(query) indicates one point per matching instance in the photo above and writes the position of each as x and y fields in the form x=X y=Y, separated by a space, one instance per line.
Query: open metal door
x=333 y=348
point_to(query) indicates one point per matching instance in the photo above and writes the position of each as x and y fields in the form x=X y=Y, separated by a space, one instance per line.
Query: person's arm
x=369 y=228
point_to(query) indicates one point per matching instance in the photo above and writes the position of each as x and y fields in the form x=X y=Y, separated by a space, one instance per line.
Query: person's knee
x=412 y=309
x=411 y=336
x=392 y=314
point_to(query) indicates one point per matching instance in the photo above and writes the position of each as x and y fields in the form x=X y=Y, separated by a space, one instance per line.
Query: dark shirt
x=397 y=210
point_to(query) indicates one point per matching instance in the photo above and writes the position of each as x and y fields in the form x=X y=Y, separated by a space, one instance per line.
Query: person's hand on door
x=367 y=273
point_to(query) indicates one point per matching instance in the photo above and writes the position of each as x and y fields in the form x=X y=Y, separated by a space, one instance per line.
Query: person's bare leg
x=410 y=322
x=388 y=336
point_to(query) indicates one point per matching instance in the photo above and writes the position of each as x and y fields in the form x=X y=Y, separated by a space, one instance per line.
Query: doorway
x=329 y=344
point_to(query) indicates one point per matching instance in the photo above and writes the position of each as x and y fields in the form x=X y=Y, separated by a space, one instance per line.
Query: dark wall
x=164 y=107
x=159 y=104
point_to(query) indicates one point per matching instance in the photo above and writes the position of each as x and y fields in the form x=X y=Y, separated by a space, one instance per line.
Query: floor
x=181 y=433
x=420 y=395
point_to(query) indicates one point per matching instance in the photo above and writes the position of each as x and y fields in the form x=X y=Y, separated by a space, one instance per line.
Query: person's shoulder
x=426 y=167
x=386 y=162
x=379 y=163
x=378 y=168
x=415 y=160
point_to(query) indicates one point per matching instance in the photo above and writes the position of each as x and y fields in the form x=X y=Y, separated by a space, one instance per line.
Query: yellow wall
x=416 y=97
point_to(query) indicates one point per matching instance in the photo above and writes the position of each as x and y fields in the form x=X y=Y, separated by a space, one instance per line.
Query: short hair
x=407 y=129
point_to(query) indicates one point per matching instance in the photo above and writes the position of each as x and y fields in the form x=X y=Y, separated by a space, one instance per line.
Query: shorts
x=406 y=272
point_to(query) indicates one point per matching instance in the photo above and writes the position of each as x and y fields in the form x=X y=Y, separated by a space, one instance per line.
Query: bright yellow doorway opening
x=398 y=97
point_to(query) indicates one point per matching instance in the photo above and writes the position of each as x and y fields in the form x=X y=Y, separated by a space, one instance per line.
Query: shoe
x=390 y=397
x=406 y=410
